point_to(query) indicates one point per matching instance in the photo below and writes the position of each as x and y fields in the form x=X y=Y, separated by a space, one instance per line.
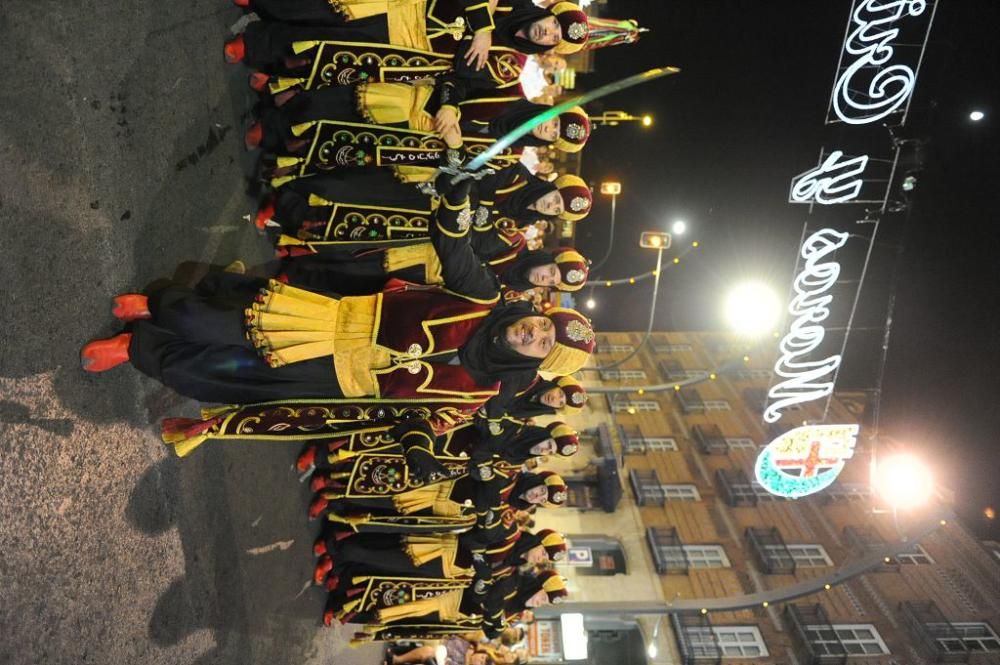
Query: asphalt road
x=120 y=158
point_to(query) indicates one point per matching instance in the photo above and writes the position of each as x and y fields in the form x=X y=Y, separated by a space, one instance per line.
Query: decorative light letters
x=869 y=89
x=810 y=307
x=833 y=181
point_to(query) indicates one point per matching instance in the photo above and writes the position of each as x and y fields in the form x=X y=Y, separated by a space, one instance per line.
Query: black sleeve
x=477 y=15
x=461 y=269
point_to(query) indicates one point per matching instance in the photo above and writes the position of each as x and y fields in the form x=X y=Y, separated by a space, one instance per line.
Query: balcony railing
x=647 y=487
x=696 y=641
x=690 y=400
x=667 y=550
x=735 y=488
x=865 y=539
x=815 y=640
x=770 y=551
x=709 y=439
x=936 y=637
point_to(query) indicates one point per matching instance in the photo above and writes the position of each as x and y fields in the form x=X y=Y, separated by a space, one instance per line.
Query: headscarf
x=512 y=116
x=516 y=274
x=529 y=403
x=528 y=585
x=505 y=30
x=526 y=481
x=518 y=449
x=487 y=356
x=525 y=190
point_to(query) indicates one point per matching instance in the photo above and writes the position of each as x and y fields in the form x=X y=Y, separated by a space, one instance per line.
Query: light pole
x=612 y=189
x=613 y=118
x=659 y=241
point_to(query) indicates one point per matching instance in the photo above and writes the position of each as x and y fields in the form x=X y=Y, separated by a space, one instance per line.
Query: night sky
x=744 y=116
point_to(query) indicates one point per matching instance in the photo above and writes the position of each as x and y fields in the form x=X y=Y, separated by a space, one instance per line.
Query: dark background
x=744 y=116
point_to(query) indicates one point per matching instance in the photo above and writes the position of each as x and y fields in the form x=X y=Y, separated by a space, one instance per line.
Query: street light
x=591 y=303
x=752 y=308
x=903 y=481
x=612 y=189
x=678 y=227
x=614 y=118
x=976 y=116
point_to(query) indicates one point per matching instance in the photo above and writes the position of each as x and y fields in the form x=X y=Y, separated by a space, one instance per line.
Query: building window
x=916 y=556
x=854 y=639
x=716 y=405
x=623 y=375
x=615 y=348
x=680 y=493
x=740 y=443
x=809 y=556
x=731 y=641
x=754 y=374
x=848 y=492
x=706 y=556
x=635 y=406
x=642 y=444
x=646 y=485
x=976 y=636
x=672 y=348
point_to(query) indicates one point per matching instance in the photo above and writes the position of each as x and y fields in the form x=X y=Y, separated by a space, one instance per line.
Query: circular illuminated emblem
x=579 y=204
x=575 y=276
x=805 y=460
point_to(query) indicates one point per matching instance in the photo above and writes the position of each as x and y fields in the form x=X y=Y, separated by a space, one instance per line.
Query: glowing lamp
x=611 y=188
x=903 y=481
x=752 y=309
x=654 y=240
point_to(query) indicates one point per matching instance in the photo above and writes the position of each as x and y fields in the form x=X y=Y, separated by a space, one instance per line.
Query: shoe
x=254 y=135
x=131 y=307
x=306 y=460
x=264 y=215
x=317 y=507
x=332 y=582
x=241 y=3
x=259 y=81
x=235 y=50
x=328 y=618
x=103 y=354
x=319 y=547
x=322 y=569
x=318 y=483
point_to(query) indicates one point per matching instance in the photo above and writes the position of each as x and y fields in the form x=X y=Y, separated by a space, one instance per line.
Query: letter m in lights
x=838 y=179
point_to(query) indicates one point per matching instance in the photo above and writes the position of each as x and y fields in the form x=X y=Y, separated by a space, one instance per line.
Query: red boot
x=254 y=135
x=319 y=547
x=259 y=81
x=322 y=569
x=131 y=307
x=332 y=582
x=241 y=3
x=318 y=483
x=103 y=354
x=328 y=618
x=264 y=216
x=235 y=50
x=317 y=507
x=306 y=460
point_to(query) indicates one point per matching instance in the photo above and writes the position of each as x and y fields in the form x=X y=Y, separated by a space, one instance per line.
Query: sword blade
x=525 y=127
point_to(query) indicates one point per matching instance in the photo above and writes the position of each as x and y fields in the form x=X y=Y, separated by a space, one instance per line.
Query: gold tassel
x=185 y=447
x=283 y=83
x=303 y=127
x=318 y=201
x=284 y=162
x=303 y=46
